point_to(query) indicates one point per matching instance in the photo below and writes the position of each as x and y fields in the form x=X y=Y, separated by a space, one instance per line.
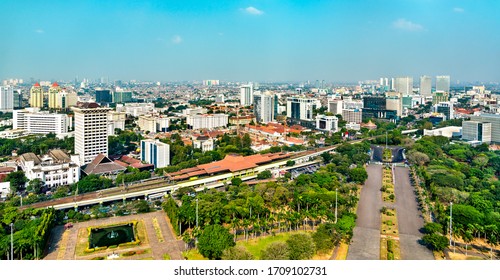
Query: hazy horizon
x=262 y=41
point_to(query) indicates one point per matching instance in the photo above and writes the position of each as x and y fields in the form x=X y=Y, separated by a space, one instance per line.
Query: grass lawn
x=256 y=245
x=193 y=254
x=342 y=252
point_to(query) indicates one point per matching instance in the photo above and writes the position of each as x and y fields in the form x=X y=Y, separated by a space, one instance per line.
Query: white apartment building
x=194 y=111
x=327 y=123
x=207 y=121
x=54 y=169
x=116 y=120
x=155 y=152
x=136 y=109
x=153 y=123
x=91 y=131
x=246 y=95
x=204 y=143
x=263 y=106
x=34 y=121
x=6 y=98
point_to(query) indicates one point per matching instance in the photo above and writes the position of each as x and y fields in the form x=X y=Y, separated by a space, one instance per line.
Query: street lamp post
x=335 y=205
x=196 y=240
x=11 y=241
x=451 y=220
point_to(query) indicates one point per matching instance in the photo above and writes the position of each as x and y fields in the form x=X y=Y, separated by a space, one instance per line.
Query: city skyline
x=339 y=41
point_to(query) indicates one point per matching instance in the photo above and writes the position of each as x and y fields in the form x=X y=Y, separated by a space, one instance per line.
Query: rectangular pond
x=109 y=236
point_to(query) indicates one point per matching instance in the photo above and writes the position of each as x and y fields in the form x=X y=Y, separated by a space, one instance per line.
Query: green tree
x=236 y=181
x=213 y=240
x=277 y=250
x=35 y=186
x=17 y=180
x=237 y=253
x=435 y=242
x=266 y=174
x=301 y=246
x=358 y=175
x=430 y=228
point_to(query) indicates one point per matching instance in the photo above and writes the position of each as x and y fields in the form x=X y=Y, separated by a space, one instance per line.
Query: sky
x=266 y=40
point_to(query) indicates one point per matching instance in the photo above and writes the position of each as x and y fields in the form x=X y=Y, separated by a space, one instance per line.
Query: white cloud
x=407 y=25
x=458 y=10
x=177 y=39
x=39 y=31
x=253 y=11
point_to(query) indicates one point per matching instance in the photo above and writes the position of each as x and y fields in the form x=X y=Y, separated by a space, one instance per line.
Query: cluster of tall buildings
x=54 y=98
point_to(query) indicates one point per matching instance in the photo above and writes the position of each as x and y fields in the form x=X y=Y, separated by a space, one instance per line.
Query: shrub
x=129 y=253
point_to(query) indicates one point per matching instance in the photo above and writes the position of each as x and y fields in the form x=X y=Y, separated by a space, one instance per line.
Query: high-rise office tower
x=246 y=94
x=263 y=106
x=91 y=131
x=103 y=95
x=404 y=85
x=443 y=83
x=445 y=108
x=301 y=108
x=18 y=99
x=53 y=94
x=426 y=85
x=6 y=99
x=36 y=96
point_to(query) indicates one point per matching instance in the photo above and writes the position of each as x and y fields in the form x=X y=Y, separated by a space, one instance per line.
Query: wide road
x=409 y=218
x=365 y=244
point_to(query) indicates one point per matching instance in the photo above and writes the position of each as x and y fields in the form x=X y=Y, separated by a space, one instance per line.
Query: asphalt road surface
x=365 y=244
x=409 y=218
x=397 y=153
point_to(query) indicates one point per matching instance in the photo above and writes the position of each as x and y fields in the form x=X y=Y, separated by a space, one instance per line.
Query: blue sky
x=265 y=40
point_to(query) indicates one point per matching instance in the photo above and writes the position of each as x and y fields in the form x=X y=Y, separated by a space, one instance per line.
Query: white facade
x=443 y=83
x=147 y=123
x=4 y=189
x=494 y=119
x=327 y=123
x=6 y=98
x=204 y=144
x=246 y=95
x=194 y=111
x=219 y=98
x=301 y=108
x=34 y=121
x=116 y=120
x=54 y=169
x=136 y=109
x=155 y=152
x=263 y=106
x=449 y=131
x=207 y=121
x=91 y=132
x=476 y=131
x=426 y=85
x=404 y=85
x=335 y=106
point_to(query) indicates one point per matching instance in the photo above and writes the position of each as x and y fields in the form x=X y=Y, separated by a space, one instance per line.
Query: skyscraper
x=263 y=106
x=443 y=83
x=425 y=85
x=91 y=131
x=6 y=99
x=53 y=94
x=102 y=95
x=404 y=85
x=246 y=95
x=36 y=96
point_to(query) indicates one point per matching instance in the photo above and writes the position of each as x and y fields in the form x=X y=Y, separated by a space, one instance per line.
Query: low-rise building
x=204 y=143
x=449 y=131
x=476 y=131
x=54 y=169
x=327 y=123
